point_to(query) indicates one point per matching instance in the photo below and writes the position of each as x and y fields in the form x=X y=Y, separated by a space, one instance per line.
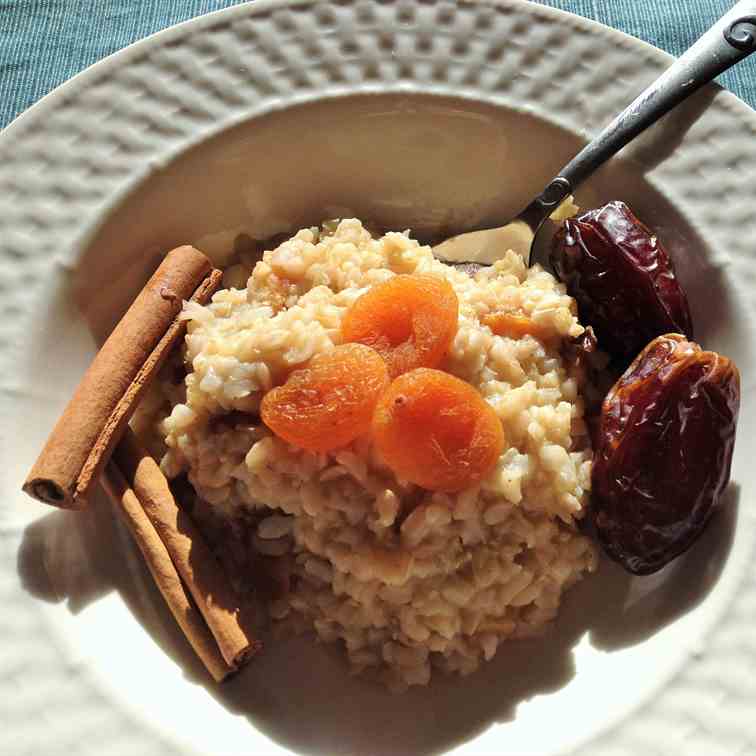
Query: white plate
x=278 y=113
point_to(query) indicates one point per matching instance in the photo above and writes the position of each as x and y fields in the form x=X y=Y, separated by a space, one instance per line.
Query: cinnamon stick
x=164 y=573
x=194 y=561
x=85 y=435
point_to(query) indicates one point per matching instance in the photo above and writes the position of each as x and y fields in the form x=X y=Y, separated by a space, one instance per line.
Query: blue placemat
x=45 y=42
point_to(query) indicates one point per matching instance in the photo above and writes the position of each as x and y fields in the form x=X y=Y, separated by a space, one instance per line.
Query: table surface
x=45 y=42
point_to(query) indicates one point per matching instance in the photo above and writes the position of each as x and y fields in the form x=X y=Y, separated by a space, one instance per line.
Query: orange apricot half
x=330 y=401
x=410 y=320
x=437 y=431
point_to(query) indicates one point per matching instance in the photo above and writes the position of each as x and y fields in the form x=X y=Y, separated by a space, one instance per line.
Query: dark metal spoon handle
x=731 y=39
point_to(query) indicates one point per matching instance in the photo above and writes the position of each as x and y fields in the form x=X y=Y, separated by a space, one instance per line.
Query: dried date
x=663 y=453
x=577 y=351
x=622 y=278
x=581 y=354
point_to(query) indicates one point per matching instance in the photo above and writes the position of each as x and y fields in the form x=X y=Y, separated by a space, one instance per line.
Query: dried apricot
x=410 y=320
x=436 y=431
x=515 y=326
x=329 y=402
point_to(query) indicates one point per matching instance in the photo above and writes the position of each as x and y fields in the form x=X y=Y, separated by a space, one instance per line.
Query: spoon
x=726 y=43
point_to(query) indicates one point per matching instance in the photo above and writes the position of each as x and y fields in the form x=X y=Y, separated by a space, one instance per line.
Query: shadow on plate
x=300 y=694
x=79 y=557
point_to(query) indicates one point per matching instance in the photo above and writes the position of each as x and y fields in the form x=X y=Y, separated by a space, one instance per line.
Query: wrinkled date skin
x=663 y=452
x=622 y=279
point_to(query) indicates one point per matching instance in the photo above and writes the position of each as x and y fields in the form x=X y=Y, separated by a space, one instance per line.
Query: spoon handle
x=727 y=42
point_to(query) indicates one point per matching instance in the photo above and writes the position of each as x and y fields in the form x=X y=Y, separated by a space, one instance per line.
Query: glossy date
x=663 y=453
x=622 y=278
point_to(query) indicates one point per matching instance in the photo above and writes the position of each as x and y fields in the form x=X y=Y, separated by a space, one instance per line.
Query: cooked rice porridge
x=408 y=579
